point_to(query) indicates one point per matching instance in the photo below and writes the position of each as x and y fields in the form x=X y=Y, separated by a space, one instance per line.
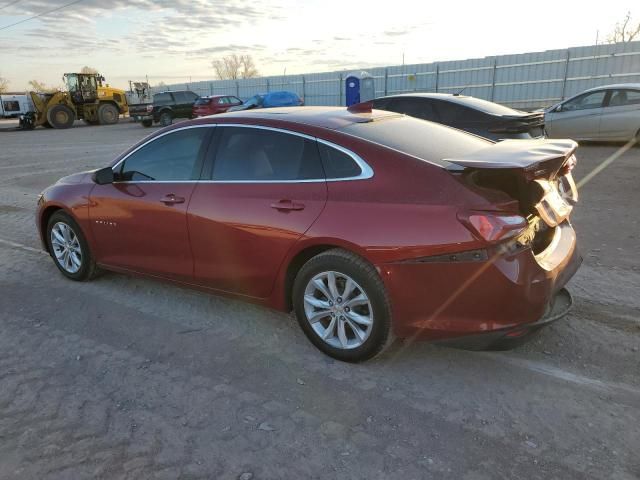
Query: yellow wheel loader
x=86 y=98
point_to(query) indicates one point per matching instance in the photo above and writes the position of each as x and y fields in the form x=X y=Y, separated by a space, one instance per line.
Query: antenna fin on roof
x=362 y=107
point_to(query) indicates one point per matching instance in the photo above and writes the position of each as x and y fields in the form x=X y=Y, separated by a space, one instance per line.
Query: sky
x=176 y=41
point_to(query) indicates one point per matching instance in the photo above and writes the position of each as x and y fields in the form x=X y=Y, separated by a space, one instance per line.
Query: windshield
x=203 y=101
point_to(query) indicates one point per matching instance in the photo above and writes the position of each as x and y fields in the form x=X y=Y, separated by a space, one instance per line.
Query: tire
x=60 y=116
x=108 y=114
x=147 y=123
x=367 y=297
x=166 y=119
x=47 y=125
x=81 y=265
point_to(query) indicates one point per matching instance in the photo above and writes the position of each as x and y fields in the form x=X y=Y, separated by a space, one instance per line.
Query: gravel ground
x=130 y=378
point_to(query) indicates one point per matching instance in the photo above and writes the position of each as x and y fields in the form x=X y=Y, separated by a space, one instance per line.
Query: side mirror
x=558 y=108
x=103 y=176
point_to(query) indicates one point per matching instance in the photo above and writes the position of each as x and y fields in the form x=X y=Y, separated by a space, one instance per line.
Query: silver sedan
x=610 y=112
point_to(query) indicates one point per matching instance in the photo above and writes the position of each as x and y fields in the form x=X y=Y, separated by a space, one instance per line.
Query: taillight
x=149 y=108
x=493 y=226
x=569 y=165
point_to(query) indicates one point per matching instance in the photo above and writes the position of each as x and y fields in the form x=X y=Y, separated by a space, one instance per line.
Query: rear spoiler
x=534 y=158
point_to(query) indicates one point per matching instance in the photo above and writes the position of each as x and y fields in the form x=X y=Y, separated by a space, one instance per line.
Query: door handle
x=171 y=199
x=286 y=205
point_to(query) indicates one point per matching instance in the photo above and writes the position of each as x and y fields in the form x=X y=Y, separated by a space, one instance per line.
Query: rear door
x=578 y=117
x=266 y=189
x=139 y=222
x=621 y=115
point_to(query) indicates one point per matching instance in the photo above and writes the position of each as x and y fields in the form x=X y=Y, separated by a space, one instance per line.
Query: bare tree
x=4 y=85
x=87 y=69
x=624 y=31
x=233 y=67
x=38 y=86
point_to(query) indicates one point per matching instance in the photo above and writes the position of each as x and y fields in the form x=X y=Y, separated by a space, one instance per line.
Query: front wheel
x=342 y=306
x=147 y=123
x=108 y=114
x=60 y=116
x=69 y=248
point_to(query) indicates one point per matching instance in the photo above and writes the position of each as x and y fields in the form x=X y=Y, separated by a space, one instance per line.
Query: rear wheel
x=60 y=116
x=69 y=248
x=147 y=123
x=342 y=306
x=166 y=119
x=108 y=114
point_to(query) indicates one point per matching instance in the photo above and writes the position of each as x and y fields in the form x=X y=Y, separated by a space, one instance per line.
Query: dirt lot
x=130 y=378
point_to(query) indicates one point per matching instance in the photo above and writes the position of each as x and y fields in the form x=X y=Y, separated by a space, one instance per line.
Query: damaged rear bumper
x=558 y=307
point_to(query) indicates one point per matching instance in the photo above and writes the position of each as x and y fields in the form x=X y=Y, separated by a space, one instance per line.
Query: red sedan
x=214 y=104
x=370 y=225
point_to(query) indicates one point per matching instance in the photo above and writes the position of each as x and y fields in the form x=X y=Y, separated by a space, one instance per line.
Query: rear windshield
x=425 y=140
x=486 y=106
x=203 y=101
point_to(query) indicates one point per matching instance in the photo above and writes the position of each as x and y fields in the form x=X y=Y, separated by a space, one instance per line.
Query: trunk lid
x=535 y=173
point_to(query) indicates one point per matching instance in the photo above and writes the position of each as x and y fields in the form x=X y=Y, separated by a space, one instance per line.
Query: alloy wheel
x=338 y=310
x=66 y=247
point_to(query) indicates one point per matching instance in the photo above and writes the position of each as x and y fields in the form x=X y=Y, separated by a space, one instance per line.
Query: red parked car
x=214 y=104
x=369 y=224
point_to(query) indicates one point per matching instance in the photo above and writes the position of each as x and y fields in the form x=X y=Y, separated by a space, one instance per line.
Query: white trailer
x=12 y=106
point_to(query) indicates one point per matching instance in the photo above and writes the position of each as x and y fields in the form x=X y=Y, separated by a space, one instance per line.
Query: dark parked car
x=270 y=100
x=165 y=107
x=214 y=104
x=474 y=115
x=369 y=225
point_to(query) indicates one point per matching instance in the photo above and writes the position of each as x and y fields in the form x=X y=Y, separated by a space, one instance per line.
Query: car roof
x=634 y=86
x=324 y=117
x=465 y=100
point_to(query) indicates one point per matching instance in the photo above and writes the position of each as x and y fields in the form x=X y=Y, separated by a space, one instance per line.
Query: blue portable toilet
x=359 y=87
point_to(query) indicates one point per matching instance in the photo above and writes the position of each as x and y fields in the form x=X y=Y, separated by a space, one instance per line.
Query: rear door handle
x=171 y=199
x=286 y=205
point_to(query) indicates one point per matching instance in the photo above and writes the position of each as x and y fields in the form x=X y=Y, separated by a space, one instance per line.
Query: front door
x=578 y=117
x=267 y=188
x=139 y=222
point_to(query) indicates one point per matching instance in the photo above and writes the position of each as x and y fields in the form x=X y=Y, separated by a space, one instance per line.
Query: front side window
x=585 y=102
x=254 y=155
x=172 y=157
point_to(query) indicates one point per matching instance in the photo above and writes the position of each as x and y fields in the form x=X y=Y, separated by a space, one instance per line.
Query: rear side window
x=621 y=98
x=415 y=107
x=337 y=164
x=258 y=155
x=453 y=114
x=172 y=157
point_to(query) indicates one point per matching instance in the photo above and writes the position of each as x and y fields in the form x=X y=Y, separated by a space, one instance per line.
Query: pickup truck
x=165 y=107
